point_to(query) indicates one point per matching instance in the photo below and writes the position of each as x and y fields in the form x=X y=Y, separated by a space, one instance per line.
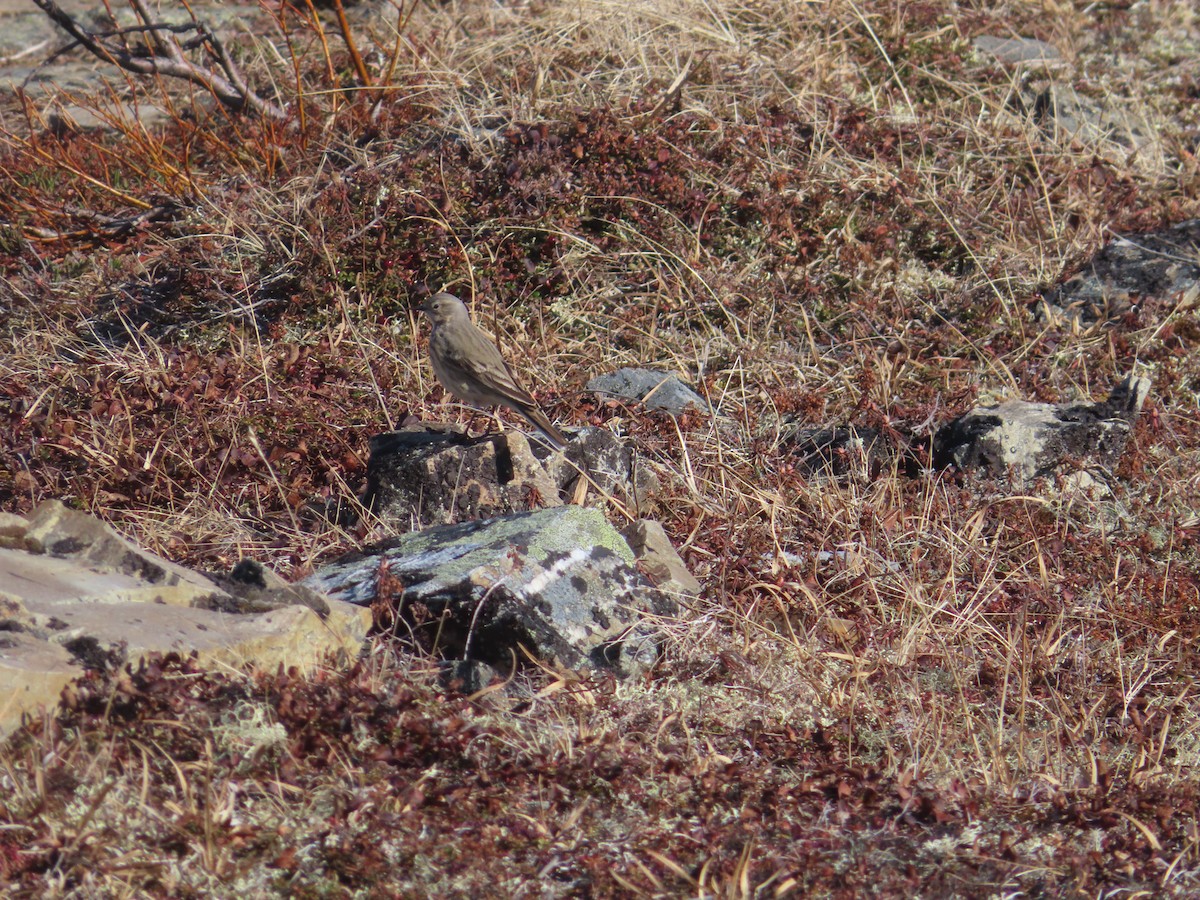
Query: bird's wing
x=489 y=366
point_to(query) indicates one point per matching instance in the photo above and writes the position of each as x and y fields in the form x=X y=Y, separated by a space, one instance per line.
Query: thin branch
x=167 y=58
x=363 y=75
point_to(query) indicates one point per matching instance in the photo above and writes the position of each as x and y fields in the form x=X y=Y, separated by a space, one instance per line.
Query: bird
x=468 y=364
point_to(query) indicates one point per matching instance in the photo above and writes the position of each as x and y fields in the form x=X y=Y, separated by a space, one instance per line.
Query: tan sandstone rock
x=84 y=597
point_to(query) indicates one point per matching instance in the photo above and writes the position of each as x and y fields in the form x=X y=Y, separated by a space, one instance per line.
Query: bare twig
x=359 y=66
x=167 y=56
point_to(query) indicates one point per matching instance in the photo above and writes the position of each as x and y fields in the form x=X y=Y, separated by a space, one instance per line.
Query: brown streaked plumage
x=469 y=365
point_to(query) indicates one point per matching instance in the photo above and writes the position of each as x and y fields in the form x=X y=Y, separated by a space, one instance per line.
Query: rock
x=468 y=676
x=1013 y=51
x=12 y=531
x=557 y=583
x=1064 y=115
x=610 y=466
x=659 y=560
x=1156 y=270
x=1031 y=440
x=657 y=390
x=842 y=451
x=418 y=477
x=254 y=588
x=57 y=531
x=33 y=673
x=422 y=475
x=73 y=118
x=88 y=598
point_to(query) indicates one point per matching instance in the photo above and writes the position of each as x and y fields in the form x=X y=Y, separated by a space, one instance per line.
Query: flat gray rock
x=657 y=390
x=1012 y=51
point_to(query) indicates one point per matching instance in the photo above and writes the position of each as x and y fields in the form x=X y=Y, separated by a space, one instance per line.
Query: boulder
x=12 y=531
x=559 y=585
x=606 y=465
x=84 y=597
x=423 y=475
x=1061 y=114
x=1031 y=440
x=57 y=531
x=420 y=476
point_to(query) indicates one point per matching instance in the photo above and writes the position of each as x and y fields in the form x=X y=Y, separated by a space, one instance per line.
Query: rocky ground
x=883 y=316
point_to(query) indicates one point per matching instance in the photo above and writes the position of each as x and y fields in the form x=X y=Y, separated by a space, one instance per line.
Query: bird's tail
x=538 y=419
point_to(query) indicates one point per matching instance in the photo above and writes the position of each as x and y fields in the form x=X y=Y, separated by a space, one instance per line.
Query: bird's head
x=443 y=307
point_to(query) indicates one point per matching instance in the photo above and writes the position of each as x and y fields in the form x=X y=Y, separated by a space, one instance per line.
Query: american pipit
x=469 y=365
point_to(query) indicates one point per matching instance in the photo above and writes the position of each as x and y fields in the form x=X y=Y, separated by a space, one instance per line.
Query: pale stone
x=102 y=602
x=659 y=559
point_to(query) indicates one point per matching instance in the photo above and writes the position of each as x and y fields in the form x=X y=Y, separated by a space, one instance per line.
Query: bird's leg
x=488 y=416
x=495 y=416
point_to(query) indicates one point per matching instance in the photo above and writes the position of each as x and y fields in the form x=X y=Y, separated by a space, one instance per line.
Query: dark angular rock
x=1158 y=269
x=419 y=476
x=1032 y=440
x=607 y=462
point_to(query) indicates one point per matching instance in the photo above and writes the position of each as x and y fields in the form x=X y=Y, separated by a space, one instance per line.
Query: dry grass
x=821 y=213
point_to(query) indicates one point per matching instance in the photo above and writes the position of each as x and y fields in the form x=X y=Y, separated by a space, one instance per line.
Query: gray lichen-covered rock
x=657 y=390
x=596 y=451
x=1032 y=439
x=605 y=463
x=84 y=597
x=558 y=583
x=1158 y=269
